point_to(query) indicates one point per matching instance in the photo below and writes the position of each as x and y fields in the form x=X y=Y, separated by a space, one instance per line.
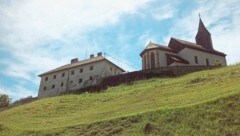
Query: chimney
x=99 y=54
x=91 y=56
x=74 y=60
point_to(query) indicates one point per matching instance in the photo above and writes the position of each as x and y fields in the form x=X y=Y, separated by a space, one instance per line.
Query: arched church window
x=152 y=57
x=145 y=62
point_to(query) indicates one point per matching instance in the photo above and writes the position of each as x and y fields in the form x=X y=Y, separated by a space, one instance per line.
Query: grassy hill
x=201 y=103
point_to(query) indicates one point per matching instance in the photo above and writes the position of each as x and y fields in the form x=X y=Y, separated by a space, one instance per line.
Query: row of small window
x=72 y=73
x=79 y=81
x=196 y=60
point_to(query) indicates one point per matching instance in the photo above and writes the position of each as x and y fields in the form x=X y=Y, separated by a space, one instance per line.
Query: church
x=183 y=53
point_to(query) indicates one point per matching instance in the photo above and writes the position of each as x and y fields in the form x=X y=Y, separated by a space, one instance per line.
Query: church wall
x=163 y=58
x=147 y=57
x=189 y=55
x=160 y=58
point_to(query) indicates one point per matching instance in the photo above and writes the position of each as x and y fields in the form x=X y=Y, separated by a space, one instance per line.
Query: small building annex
x=183 y=53
x=76 y=75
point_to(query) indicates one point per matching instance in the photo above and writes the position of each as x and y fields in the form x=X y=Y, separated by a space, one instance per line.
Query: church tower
x=203 y=37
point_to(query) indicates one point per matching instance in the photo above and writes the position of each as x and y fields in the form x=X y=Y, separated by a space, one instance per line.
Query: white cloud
x=162 y=12
x=17 y=93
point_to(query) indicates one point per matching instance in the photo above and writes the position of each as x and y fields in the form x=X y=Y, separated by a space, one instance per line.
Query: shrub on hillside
x=23 y=100
x=4 y=101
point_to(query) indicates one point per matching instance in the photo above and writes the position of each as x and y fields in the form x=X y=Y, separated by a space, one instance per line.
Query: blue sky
x=39 y=35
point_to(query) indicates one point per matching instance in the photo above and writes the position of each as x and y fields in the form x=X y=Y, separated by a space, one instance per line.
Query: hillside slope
x=155 y=106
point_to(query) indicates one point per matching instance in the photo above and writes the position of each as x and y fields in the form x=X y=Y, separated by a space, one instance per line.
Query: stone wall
x=179 y=70
x=129 y=78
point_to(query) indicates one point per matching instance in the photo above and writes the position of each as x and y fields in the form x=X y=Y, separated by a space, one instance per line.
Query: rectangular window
x=81 y=70
x=111 y=68
x=44 y=88
x=53 y=86
x=54 y=77
x=62 y=84
x=90 y=78
x=46 y=78
x=72 y=72
x=207 y=62
x=91 y=67
x=80 y=80
x=196 y=59
x=63 y=74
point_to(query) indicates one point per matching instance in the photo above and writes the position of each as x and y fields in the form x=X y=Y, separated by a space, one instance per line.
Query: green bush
x=4 y=101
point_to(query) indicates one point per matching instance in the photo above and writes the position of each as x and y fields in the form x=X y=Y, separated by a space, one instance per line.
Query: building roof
x=153 y=46
x=79 y=63
x=195 y=47
x=202 y=28
x=171 y=58
x=175 y=48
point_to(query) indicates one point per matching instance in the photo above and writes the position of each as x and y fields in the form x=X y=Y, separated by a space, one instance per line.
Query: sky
x=39 y=35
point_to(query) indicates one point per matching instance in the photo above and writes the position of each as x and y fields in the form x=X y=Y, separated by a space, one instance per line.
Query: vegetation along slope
x=201 y=103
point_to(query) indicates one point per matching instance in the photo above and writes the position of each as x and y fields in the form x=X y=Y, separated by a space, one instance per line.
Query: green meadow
x=200 y=103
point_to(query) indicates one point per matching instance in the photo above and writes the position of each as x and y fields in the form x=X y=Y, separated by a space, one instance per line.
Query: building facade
x=183 y=53
x=76 y=75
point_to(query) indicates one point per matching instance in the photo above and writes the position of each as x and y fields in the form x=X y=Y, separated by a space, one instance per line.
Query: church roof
x=79 y=63
x=184 y=44
x=175 y=45
x=153 y=46
x=202 y=28
x=171 y=58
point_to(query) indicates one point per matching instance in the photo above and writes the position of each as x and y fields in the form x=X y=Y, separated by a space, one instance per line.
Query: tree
x=4 y=101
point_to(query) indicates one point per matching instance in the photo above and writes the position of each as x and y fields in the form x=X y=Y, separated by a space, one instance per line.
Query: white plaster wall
x=161 y=61
x=163 y=58
x=48 y=84
x=100 y=69
x=189 y=54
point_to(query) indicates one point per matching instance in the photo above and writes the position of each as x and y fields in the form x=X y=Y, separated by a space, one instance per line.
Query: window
x=62 y=84
x=152 y=58
x=145 y=62
x=53 y=86
x=54 y=77
x=46 y=78
x=207 y=62
x=44 y=88
x=90 y=78
x=111 y=68
x=72 y=72
x=196 y=59
x=80 y=80
x=63 y=74
x=81 y=70
x=91 y=67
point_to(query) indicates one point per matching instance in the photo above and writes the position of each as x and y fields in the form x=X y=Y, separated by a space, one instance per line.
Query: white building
x=183 y=53
x=76 y=75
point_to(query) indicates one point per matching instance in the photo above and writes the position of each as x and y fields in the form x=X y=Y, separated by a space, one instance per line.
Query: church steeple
x=203 y=36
